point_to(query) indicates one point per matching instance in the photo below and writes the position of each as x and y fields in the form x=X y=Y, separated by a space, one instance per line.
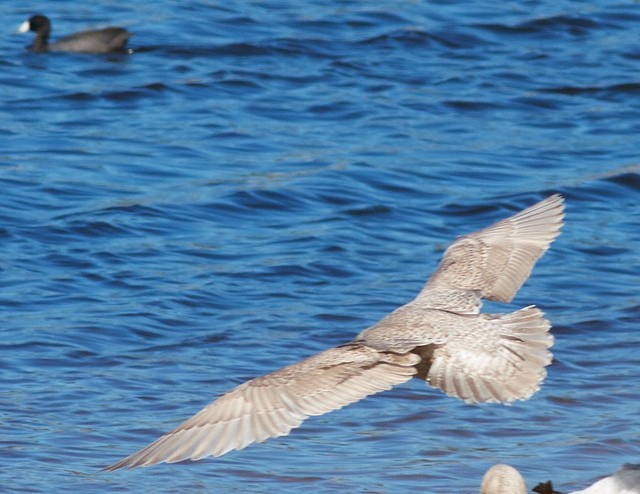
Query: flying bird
x=440 y=337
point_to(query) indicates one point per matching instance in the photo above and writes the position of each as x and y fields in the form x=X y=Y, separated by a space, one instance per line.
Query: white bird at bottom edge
x=504 y=479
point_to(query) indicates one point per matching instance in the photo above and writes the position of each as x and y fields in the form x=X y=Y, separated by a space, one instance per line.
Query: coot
x=107 y=40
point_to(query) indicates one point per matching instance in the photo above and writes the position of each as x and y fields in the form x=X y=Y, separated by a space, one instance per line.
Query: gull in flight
x=440 y=337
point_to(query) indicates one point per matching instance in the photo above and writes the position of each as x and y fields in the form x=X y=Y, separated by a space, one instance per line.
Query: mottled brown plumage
x=440 y=337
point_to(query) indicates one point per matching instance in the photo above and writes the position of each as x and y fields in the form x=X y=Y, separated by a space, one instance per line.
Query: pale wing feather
x=272 y=405
x=494 y=359
x=493 y=263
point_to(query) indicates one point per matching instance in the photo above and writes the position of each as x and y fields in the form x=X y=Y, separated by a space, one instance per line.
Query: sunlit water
x=258 y=181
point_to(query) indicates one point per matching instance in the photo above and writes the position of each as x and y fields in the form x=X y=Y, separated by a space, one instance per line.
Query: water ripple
x=256 y=182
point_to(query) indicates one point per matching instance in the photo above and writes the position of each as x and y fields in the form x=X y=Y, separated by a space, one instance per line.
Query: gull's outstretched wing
x=272 y=405
x=493 y=263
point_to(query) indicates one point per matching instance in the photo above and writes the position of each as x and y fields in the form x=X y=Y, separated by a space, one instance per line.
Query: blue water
x=259 y=181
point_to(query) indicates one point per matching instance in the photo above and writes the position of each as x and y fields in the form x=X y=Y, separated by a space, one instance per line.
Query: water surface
x=257 y=182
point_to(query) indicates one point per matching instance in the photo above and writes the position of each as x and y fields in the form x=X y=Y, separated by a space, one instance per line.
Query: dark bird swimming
x=107 y=40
